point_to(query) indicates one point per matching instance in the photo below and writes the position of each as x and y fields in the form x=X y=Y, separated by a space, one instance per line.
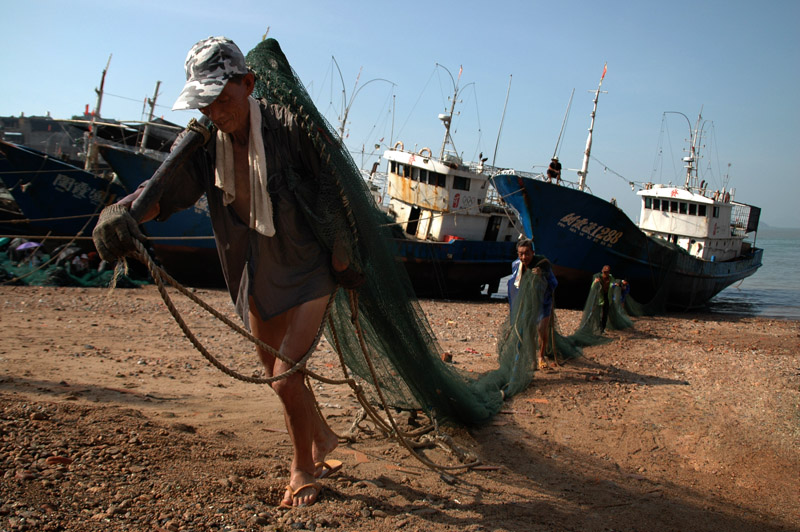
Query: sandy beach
x=111 y=420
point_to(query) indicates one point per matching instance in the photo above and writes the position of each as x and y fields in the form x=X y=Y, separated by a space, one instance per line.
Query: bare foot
x=302 y=490
x=303 y=495
x=325 y=441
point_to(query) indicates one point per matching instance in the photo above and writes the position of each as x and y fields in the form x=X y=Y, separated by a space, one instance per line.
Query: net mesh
x=396 y=333
x=58 y=267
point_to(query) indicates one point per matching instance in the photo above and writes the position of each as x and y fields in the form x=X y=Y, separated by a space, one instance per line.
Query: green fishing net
x=42 y=270
x=395 y=331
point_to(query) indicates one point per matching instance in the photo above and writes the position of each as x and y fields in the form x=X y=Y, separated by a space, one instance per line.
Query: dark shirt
x=281 y=271
x=554 y=170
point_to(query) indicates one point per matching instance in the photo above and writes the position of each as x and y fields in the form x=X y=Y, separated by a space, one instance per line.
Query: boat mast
x=447 y=119
x=91 y=149
x=152 y=103
x=585 y=166
x=691 y=167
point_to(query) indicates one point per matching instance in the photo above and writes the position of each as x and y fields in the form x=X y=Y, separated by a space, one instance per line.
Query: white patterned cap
x=209 y=65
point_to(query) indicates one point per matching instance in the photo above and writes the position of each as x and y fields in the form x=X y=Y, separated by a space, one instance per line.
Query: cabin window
x=716 y=212
x=461 y=183
x=682 y=208
x=648 y=203
x=656 y=204
x=414 y=174
x=423 y=175
x=664 y=206
x=673 y=206
x=701 y=210
x=693 y=209
x=393 y=167
x=440 y=179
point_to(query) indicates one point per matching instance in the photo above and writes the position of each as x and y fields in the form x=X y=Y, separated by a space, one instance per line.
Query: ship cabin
x=442 y=200
x=708 y=228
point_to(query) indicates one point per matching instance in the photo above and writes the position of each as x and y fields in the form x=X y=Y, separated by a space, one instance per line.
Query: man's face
x=606 y=273
x=230 y=112
x=525 y=255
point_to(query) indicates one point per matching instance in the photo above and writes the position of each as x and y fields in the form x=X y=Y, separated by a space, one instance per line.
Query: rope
x=160 y=277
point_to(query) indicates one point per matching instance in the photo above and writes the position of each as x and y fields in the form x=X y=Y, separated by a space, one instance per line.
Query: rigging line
x=607 y=169
x=137 y=100
x=478 y=148
x=400 y=131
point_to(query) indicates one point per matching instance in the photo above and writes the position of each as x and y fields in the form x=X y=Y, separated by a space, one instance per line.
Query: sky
x=527 y=68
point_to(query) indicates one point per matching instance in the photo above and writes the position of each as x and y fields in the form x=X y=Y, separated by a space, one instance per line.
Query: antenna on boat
x=563 y=123
x=585 y=166
x=447 y=119
x=346 y=105
x=694 y=140
x=91 y=149
x=502 y=119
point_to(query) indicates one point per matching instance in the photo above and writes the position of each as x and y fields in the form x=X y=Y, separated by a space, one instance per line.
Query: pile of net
x=395 y=332
x=31 y=263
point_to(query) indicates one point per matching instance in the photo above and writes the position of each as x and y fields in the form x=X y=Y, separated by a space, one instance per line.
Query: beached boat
x=457 y=238
x=186 y=239
x=689 y=244
x=56 y=197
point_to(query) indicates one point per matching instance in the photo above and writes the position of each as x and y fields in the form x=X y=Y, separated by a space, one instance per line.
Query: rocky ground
x=110 y=420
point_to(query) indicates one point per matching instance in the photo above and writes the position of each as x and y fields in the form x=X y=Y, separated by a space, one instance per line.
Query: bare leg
x=293 y=333
x=543 y=323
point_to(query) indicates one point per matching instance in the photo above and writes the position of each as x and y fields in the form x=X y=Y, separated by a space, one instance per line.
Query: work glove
x=115 y=233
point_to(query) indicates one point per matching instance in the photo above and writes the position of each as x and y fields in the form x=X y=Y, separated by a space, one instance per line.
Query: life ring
x=430 y=153
x=400 y=144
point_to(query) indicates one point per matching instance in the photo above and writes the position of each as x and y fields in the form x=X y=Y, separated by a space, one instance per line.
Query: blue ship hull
x=184 y=244
x=579 y=233
x=55 y=196
x=455 y=269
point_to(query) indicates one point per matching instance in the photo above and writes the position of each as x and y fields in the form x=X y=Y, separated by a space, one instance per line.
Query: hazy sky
x=738 y=61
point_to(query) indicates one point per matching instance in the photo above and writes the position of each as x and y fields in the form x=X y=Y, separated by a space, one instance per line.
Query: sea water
x=772 y=292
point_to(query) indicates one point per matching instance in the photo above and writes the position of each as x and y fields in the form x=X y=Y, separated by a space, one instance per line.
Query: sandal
x=291 y=494
x=326 y=468
x=543 y=364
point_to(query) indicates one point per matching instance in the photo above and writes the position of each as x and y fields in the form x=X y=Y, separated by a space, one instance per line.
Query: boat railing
x=539 y=176
x=740 y=219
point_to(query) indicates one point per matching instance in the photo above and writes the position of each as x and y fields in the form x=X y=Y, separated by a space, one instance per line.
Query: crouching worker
x=279 y=274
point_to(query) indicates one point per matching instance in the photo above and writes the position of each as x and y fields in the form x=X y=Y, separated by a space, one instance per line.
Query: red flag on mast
x=460 y=70
x=605 y=67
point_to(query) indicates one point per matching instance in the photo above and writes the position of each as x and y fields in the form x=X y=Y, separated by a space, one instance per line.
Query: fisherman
x=554 y=171
x=519 y=268
x=603 y=282
x=279 y=274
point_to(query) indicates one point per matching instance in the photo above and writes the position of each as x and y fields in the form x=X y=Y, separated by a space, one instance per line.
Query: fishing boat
x=54 y=196
x=687 y=247
x=457 y=238
x=186 y=239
